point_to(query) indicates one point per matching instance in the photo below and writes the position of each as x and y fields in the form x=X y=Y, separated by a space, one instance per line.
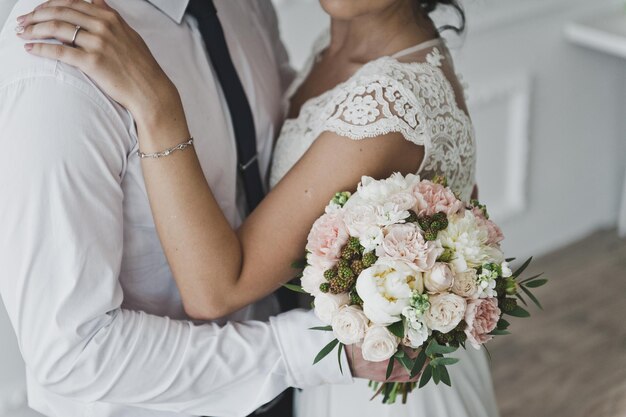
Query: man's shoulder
x=21 y=70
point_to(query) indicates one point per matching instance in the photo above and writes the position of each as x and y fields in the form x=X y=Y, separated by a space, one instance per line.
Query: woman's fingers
x=62 y=31
x=62 y=14
x=63 y=53
x=80 y=5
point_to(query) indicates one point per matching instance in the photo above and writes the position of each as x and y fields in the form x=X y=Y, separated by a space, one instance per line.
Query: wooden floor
x=570 y=359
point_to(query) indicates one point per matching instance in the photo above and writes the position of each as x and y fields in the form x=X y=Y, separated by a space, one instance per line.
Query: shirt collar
x=175 y=9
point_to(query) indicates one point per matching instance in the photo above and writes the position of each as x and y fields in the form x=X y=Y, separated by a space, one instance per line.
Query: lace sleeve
x=373 y=106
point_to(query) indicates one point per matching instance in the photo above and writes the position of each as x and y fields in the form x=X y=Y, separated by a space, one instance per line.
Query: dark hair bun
x=430 y=6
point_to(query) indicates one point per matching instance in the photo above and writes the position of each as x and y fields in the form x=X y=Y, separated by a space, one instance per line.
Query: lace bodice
x=415 y=98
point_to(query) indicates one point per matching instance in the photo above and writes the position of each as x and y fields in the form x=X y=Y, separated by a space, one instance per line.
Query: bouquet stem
x=391 y=390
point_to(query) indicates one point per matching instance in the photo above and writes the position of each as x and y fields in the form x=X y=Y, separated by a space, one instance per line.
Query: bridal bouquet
x=409 y=273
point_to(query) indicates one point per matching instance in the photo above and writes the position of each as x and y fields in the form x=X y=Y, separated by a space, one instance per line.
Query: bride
x=379 y=95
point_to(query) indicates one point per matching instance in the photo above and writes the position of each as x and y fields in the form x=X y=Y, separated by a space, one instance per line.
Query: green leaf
x=295 y=288
x=339 y=357
x=523 y=267
x=436 y=375
x=325 y=351
x=532 y=297
x=428 y=373
x=519 y=296
x=503 y=324
x=434 y=347
x=498 y=332
x=406 y=362
x=397 y=329
x=443 y=361
x=531 y=278
x=519 y=312
x=418 y=364
x=400 y=353
x=445 y=376
x=323 y=328
x=510 y=259
x=392 y=361
x=299 y=264
x=536 y=284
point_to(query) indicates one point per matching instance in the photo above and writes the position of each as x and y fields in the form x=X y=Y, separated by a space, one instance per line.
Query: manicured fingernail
x=19 y=30
x=28 y=46
x=21 y=19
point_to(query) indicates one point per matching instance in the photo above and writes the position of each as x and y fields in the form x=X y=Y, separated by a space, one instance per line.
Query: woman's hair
x=430 y=5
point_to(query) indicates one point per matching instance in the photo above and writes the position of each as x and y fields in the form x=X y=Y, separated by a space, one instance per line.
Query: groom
x=88 y=290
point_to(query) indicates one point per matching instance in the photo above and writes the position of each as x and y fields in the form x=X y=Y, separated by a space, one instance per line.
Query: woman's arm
x=216 y=269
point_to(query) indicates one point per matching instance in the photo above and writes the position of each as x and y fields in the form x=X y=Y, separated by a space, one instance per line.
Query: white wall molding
x=513 y=93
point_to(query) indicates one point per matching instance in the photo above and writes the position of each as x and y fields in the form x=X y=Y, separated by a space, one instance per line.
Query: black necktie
x=243 y=125
x=240 y=113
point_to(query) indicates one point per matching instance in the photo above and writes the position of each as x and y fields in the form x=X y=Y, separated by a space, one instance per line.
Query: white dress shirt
x=82 y=272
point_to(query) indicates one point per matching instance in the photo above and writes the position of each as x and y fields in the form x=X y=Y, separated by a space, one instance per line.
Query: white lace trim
x=384 y=96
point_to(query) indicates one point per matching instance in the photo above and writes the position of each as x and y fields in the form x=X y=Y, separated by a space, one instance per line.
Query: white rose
x=415 y=330
x=327 y=304
x=379 y=344
x=386 y=288
x=465 y=284
x=506 y=270
x=311 y=280
x=439 y=278
x=446 y=312
x=349 y=325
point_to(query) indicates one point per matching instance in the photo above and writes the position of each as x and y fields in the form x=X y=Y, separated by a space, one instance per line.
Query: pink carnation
x=494 y=232
x=434 y=198
x=326 y=238
x=405 y=242
x=481 y=316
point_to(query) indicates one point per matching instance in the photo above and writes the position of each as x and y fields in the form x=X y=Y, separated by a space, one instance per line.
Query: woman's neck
x=367 y=37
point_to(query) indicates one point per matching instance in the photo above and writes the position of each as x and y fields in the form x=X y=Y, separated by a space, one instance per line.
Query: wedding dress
x=416 y=93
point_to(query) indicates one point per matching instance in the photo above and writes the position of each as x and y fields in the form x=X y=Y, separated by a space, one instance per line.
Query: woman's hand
x=106 y=48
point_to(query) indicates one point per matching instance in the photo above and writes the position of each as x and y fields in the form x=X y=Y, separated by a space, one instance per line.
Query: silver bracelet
x=166 y=152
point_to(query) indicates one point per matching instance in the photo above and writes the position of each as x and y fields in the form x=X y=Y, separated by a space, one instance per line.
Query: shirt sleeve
x=63 y=148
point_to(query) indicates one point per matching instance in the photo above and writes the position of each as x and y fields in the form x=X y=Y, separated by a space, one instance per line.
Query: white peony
x=359 y=218
x=390 y=213
x=466 y=284
x=379 y=344
x=349 y=325
x=468 y=241
x=311 y=280
x=439 y=279
x=379 y=191
x=327 y=304
x=404 y=200
x=386 y=288
x=446 y=312
x=415 y=330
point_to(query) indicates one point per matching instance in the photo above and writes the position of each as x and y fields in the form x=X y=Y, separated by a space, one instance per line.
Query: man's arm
x=63 y=152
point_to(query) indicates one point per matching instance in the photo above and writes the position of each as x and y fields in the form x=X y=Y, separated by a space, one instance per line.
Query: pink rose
x=495 y=233
x=434 y=198
x=405 y=242
x=326 y=238
x=481 y=316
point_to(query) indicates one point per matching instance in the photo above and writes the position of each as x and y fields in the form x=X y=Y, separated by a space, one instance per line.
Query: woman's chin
x=350 y=9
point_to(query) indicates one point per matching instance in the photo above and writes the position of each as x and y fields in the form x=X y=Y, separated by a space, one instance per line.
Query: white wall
x=548 y=116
